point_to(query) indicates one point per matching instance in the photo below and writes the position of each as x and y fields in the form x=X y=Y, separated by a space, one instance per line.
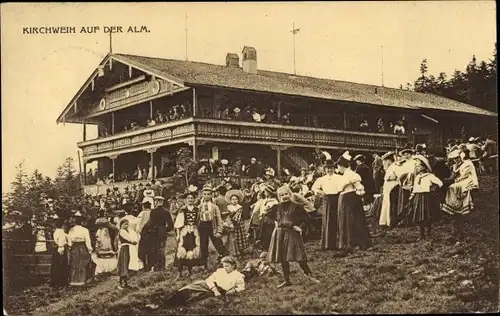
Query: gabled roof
x=196 y=73
x=80 y=91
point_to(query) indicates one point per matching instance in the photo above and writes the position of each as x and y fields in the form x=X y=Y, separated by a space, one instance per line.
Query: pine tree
x=15 y=207
x=187 y=166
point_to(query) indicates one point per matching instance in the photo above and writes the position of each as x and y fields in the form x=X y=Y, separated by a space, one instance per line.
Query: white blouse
x=227 y=281
x=424 y=181
x=80 y=234
x=328 y=184
x=391 y=172
x=407 y=167
x=351 y=181
x=60 y=238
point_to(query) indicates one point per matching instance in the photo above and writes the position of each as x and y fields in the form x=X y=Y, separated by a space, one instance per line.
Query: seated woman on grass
x=225 y=281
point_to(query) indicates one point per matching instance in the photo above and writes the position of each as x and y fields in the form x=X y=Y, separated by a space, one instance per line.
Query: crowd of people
x=256 y=115
x=170 y=114
x=128 y=231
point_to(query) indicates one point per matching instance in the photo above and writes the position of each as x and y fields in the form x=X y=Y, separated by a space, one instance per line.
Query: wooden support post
x=195 y=151
x=112 y=123
x=152 y=165
x=344 y=112
x=151 y=109
x=278 y=158
x=84 y=171
x=113 y=160
x=194 y=103
x=84 y=131
x=130 y=71
x=278 y=110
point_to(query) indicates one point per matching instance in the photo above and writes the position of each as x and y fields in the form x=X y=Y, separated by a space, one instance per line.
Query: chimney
x=232 y=60
x=249 y=60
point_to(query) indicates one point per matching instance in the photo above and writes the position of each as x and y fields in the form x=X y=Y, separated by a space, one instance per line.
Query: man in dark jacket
x=156 y=229
x=367 y=181
x=378 y=172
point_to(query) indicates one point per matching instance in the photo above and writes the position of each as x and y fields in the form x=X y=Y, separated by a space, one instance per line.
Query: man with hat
x=144 y=254
x=475 y=151
x=252 y=170
x=155 y=235
x=378 y=172
x=210 y=226
x=489 y=157
x=140 y=194
x=366 y=180
x=421 y=149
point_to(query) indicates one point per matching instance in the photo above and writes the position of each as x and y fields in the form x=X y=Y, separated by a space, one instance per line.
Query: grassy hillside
x=396 y=275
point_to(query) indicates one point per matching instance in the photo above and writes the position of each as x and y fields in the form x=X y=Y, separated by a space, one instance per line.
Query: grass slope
x=396 y=275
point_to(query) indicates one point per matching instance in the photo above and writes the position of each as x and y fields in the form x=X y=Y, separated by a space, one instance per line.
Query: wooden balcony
x=217 y=130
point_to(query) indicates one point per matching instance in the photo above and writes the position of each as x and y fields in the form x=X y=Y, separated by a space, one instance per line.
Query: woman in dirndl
x=352 y=227
x=128 y=257
x=237 y=235
x=105 y=257
x=81 y=247
x=287 y=244
x=458 y=201
x=327 y=187
x=187 y=235
x=59 y=269
x=424 y=205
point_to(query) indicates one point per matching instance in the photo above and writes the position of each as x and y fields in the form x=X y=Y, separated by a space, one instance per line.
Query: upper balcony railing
x=221 y=130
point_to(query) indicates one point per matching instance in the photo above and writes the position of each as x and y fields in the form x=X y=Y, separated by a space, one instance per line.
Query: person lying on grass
x=225 y=281
x=259 y=267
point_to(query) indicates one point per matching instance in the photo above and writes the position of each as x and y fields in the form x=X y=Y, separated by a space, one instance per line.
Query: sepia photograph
x=262 y=158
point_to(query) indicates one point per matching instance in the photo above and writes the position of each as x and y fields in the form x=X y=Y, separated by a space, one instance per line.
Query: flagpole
x=294 y=32
x=293 y=28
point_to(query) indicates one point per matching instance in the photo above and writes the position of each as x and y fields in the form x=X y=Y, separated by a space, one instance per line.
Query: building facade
x=147 y=108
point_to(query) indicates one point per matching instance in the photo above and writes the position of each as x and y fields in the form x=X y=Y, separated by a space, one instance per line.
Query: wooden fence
x=22 y=265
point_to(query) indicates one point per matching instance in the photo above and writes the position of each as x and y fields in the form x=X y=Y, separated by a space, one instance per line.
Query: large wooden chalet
x=320 y=113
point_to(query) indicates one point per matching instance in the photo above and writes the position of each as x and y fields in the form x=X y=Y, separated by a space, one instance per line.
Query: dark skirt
x=376 y=208
x=286 y=245
x=394 y=196
x=123 y=261
x=266 y=229
x=378 y=179
x=329 y=225
x=424 y=209
x=352 y=226
x=190 y=293
x=80 y=262
x=403 y=206
x=59 y=270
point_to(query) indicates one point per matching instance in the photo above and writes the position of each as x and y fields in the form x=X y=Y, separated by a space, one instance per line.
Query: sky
x=337 y=40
